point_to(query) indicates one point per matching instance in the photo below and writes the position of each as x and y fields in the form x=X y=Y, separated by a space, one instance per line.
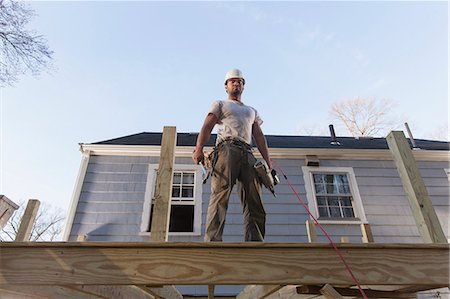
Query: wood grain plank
x=427 y=221
x=226 y=263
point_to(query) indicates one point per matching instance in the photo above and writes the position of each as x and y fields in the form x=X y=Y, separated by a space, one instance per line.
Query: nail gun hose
x=323 y=230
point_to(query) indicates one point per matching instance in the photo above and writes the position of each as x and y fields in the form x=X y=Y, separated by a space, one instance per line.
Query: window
x=185 y=210
x=333 y=194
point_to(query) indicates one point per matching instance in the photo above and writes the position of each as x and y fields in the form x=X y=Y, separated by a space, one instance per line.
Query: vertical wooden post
x=7 y=208
x=345 y=239
x=26 y=224
x=426 y=219
x=311 y=230
x=366 y=231
x=163 y=189
x=161 y=206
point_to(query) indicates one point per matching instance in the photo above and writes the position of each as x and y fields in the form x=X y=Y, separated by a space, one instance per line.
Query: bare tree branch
x=363 y=116
x=21 y=50
x=48 y=224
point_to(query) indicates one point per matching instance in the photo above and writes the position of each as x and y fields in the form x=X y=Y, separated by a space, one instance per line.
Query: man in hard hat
x=233 y=160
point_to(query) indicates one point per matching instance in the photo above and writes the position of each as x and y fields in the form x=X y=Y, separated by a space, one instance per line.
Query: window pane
x=333 y=201
x=318 y=178
x=321 y=201
x=346 y=201
x=177 y=178
x=320 y=189
x=348 y=212
x=181 y=218
x=175 y=191
x=323 y=212
x=335 y=212
x=188 y=192
x=188 y=178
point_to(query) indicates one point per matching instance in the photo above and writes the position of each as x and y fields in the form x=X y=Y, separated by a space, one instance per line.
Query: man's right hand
x=198 y=156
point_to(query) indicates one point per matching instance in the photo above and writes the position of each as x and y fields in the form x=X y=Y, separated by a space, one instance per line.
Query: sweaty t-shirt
x=235 y=120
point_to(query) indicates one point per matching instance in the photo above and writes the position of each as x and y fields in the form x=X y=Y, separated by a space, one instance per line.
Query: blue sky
x=128 y=67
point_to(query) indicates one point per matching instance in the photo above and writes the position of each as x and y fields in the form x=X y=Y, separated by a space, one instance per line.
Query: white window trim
x=312 y=202
x=447 y=172
x=149 y=194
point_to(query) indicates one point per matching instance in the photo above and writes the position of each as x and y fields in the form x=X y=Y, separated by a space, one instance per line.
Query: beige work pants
x=234 y=164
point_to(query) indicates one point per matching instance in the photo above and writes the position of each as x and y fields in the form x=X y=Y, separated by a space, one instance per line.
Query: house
x=345 y=183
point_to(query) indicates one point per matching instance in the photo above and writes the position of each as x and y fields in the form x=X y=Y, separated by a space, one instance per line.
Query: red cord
x=325 y=233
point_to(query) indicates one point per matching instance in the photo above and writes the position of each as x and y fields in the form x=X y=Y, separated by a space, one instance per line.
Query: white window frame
x=358 y=208
x=447 y=172
x=149 y=194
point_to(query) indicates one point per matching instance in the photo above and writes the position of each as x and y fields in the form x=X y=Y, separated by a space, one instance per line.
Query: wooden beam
x=163 y=189
x=27 y=222
x=159 y=231
x=211 y=288
x=311 y=230
x=7 y=208
x=366 y=231
x=196 y=263
x=329 y=292
x=41 y=292
x=308 y=289
x=115 y=292
x=165 y=292
x=422 y=208
x=258 y=291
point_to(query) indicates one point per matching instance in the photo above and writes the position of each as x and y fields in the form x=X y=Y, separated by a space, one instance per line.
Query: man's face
x=234 y=86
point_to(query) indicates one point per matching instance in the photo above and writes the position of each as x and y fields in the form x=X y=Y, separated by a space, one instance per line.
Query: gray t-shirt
x=235 y=120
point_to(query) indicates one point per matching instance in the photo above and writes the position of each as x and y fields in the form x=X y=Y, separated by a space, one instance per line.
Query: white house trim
x=321 y=153
x=76 y=194
x=310 y=194
x=150 y=188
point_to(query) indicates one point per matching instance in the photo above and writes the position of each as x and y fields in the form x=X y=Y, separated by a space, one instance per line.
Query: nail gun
x=268 y=178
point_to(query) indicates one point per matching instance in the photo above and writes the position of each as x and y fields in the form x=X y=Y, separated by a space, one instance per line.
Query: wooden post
x=311 y=229
x=163 y=189
x=345 y=239
x=366 y=231
x=26 y=224
x=7 y=208
x=329 y=292
x=422 y=209
x=161 y=206
x=211 y=291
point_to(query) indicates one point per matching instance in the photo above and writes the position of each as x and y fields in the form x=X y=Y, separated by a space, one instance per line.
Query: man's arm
x=261 y=143
x=205 y=133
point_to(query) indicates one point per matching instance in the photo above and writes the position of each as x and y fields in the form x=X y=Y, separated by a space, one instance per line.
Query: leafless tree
x=48 y=225
x=441 y=132
x=21 y=50
x=364 y=116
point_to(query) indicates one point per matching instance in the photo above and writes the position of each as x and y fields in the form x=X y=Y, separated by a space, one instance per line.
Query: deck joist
x=106 y=263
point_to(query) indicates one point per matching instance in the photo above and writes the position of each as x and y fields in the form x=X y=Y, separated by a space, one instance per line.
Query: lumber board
x=7 y=208
x=163 y=188
x=116 y=292
x=27 y=222
x=258 y=291
x=165 y=292
x=354 y=292
x=422 y=209
x=85 y=263
x=43 y=291
x=366 y=230
x=329 y=292
x=311 y=230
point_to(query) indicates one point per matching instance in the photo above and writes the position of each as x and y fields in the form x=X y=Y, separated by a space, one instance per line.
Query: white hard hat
x=234 y=73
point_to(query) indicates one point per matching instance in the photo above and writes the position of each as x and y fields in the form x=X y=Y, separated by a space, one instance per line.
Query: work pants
x=234 y=164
